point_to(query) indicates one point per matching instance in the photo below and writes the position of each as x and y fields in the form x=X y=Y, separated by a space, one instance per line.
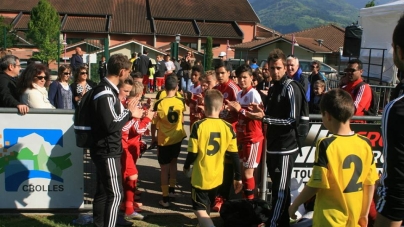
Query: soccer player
x=194 y=90
x=210 y=139
x=390 y=206
x=229 y=89
x=170 y=133
x=249 y=131
x=344 y=171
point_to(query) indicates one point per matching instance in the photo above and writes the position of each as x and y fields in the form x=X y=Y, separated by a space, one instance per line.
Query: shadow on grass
x=21 y=220
x=174 y=220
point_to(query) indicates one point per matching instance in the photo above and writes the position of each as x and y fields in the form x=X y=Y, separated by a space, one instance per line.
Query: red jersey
x=132 y=133
x=192 y=103
x=248 y=130
x=229 y=91
x=362 y=96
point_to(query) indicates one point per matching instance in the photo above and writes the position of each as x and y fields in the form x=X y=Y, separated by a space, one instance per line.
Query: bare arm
x=368 y=191
x=305 y=195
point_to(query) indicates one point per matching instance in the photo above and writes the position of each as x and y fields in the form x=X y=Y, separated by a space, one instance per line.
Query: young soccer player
x=124 y=89
x=210 y=139
x=170 y=133
x=344 y=172
x=249 y=131
x=194 y=90
x=131 y=144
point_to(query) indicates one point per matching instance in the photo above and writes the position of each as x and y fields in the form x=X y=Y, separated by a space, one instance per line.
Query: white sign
x=40 y=165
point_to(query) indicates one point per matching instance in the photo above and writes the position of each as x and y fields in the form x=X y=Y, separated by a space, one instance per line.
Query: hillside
x=361 y=3
x=288 y=16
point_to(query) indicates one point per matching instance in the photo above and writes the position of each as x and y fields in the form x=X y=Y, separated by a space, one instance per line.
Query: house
x=321 y=43
x=151 y=22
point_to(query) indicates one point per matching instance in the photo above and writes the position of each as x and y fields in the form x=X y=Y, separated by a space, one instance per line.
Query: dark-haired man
x=390 y=206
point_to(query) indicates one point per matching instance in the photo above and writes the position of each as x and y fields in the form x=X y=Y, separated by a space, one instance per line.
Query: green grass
x=170 y=220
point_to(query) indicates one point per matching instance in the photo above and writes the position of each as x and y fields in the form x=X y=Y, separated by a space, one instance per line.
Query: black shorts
x=202 y=199
x=390 y=205
x=166 y=154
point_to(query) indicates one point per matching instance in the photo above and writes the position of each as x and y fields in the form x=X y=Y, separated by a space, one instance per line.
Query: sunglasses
x=313 y=66
x=82 y=73
x=42 y=77
x=350 y=70
x=67 y=73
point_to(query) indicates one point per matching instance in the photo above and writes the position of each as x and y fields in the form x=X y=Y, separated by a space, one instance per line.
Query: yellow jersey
x=169 y=120
x=342 y=166
x=210 y=138
x=163 y=93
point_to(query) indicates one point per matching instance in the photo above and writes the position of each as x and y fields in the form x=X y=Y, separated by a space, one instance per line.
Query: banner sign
x=304 y=164
x=40 y=165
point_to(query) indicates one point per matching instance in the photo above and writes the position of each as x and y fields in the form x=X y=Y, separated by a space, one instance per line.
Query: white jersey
x=252 y=96
x=195 y=90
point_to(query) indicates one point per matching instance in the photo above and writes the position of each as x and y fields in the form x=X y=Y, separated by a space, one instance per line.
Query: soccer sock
x=172 y=185
x=129 y=187
x=164 y=189
x=249 y=186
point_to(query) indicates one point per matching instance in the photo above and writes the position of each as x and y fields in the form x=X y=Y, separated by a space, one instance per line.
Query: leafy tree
x=10 y=39
x=43 y=30
x=370 y=4
x=209 y=53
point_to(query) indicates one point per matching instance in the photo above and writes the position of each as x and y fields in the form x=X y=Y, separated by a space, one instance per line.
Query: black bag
x=244 y=213
x=374 y=102
x=82 y=121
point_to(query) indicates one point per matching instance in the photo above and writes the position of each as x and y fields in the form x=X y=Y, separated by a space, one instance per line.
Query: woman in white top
x=32 y=86
x=60 y=94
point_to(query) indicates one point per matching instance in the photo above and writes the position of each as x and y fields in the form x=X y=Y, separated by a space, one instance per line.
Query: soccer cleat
x=218 y=204
x=121 y=221
x=134 y=216
x=164 y=204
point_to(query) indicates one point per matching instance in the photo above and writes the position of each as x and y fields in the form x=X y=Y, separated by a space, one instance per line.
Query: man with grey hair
x=294 y=72
x=9 y=69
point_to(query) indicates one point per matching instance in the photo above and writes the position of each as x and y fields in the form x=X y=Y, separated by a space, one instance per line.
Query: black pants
x=280 y=169
x=228 y=176
x=108 y=194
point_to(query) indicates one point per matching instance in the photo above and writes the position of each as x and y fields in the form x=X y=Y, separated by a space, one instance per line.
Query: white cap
x=222 y=54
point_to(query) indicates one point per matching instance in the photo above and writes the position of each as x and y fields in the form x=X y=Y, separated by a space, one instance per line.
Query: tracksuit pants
x=280 y=169
x=108 y=193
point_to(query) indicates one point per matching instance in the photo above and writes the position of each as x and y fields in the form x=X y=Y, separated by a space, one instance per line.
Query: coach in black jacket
x=109 y=117
x=284 y=102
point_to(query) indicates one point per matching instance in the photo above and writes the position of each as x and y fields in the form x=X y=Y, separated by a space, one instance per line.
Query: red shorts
x=250 y=154
x=129 y=158
x=160 y=81
x=145 y=79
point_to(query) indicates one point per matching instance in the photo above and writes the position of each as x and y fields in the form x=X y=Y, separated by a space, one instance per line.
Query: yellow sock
x=164 y=189
x=173 y=181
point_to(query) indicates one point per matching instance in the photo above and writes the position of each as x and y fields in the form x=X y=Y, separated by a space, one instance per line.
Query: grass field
x=171 y=220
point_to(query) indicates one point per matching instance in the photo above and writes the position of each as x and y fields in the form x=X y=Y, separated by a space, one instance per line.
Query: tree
x=9 y=39
x=370 y=4
x=43 y=31
x=209 y=53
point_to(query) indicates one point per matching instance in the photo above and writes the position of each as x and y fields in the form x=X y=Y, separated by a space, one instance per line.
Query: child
x=210 y=139
x=131 y=144
x=249 y=131
x=124 y=90
x=207 y=81
x=318 y=92
x=194 y=90
x=344 y=172
x=170 y=133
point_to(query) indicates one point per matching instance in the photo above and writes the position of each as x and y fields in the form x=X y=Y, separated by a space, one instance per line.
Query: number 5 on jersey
x=213 y=143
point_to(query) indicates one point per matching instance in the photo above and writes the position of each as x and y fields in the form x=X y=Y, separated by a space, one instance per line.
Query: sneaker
x=121 y=221
x=172 y=195
x=163 y=204
x=134 y=216
x=218 y=204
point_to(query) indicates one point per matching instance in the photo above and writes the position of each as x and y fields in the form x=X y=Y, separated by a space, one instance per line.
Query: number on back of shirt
x=353 y=185
x=213 y=143
x=172 y=115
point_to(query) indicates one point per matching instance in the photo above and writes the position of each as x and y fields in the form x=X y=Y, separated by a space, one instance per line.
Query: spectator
x=77 y=60
x=208 y=164
x=390 y=207
x=186 y=65
x=31 y=86
x=102 y=68
x=133 y=60
x=60 y=93
x=160 y=72
x=81 y=85
x=316 y=75
x=319 y=90
x=294 y=72
x=107 y=122
x=362 y=95
x=9 y=97
x=264 y=86
x=257 y=77
x=169 y=64
x=143 y=64
x=281 y=115
x=254 y=65
x=329 y=179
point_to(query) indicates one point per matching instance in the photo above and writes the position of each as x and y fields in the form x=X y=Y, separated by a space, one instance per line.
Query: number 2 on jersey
x=172 y=116
x=214 y=143
x=353 y=185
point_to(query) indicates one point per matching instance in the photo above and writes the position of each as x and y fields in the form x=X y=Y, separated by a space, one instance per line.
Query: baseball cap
x=222 y=54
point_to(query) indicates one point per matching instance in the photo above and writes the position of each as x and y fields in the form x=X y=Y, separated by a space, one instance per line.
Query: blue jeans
x=185 y=84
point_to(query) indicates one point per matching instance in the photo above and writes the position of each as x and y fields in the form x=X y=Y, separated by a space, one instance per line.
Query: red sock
x=129 y=188
x=249 y=186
